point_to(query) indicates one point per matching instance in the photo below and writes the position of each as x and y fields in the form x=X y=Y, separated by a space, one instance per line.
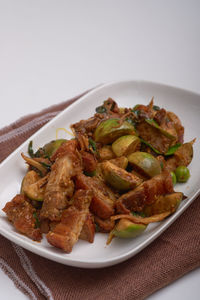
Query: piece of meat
x=103 y=199
x=144 y=112
x=164 y=203
x=154 y=137
x=106 y=153
x=145 y=194
x=67 y=231
x=87 y=127
x=68 y=147
x=22 y=215
x=111 y=106
x=44 y=225
x=60 y=186
x=104 y=226
x=89 y=162
x=160 y=116
x=182 y=157
x=177 y=125
x=88 y=230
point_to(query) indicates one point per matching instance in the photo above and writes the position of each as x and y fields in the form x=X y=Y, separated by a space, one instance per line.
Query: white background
x=53 y=50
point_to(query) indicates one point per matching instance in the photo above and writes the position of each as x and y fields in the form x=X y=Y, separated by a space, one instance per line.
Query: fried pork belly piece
x=66 y=233
x=146 y=193
x=103 y=199
x=177 y=125
x=88 y=230
x=89 y=162
x=68 y=147
x=87 y=127
x=154 y=137
x=104 y=226
x=182 y=157
x=146 y=111
x=60 y=186
x=20 y=212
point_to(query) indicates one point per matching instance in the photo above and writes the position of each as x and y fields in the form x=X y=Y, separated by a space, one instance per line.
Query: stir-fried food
x=115 y=176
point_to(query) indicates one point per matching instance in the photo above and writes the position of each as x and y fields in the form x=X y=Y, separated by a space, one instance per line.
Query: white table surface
x=53 y=50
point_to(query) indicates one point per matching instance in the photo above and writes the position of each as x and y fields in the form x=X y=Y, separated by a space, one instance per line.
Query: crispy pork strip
x=67 y=232
x=146 y=193
x=88 y=230
x=20 y=212
x=103 y=199
x=60 y=186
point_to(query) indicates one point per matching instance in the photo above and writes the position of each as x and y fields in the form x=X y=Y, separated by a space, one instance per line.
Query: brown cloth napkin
x=173 y=254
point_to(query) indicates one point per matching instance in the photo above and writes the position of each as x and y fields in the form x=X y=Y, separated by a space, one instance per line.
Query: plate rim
x=125 y=256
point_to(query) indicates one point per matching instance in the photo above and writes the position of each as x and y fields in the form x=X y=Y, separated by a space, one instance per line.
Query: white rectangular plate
x=128 y=93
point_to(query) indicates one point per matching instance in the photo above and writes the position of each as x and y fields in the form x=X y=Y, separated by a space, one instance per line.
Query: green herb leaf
x=47 y=166
x=37 y=222
x=30 y=149
x=137 y=112
x=90 y=174
x=97 y=228
x=149 y=145
x=101 y=109
x=140 y=214
x=152 y=122
x=92 y=144
x=135 y=107
x=172 y=149
x=131 y=121
x=162 y=131
x=155 y=107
